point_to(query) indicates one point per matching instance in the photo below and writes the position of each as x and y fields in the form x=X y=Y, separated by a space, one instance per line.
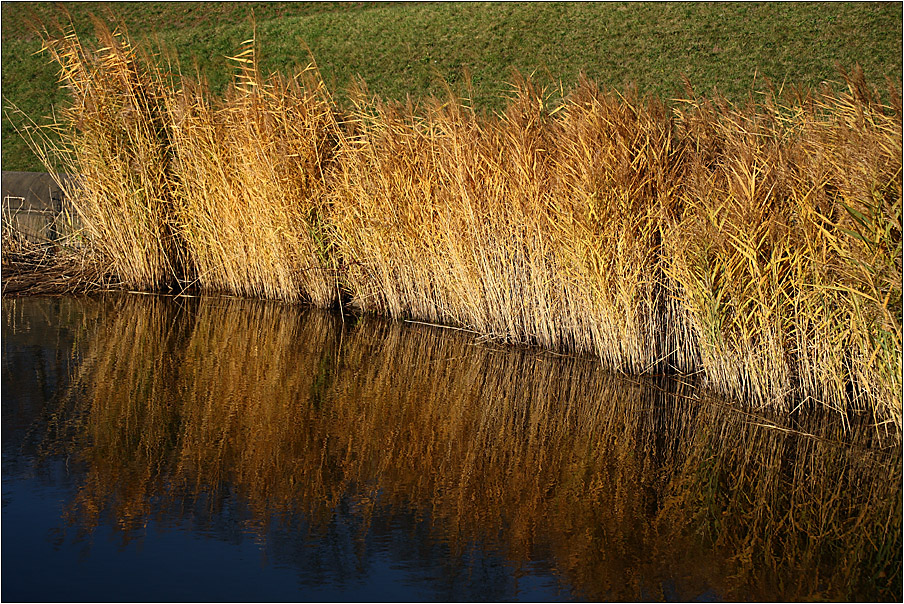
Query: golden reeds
x=115 y=139
x=759 y=246
x=529 y=227
x=248 y=178
x=788 y=257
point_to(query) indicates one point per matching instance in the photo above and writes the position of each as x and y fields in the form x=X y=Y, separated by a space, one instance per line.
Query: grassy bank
x=402 y=48
x=757 y=244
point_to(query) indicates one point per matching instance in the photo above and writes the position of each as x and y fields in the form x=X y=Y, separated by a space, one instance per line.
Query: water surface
x=218 y=449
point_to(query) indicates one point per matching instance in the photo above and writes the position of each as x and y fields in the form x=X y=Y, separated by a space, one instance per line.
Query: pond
x=216 y=449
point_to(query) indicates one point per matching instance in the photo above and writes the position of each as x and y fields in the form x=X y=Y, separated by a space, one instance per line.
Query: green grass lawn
x=409 y=48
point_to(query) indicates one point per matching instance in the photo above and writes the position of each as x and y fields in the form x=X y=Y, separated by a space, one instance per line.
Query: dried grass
x=757 y=245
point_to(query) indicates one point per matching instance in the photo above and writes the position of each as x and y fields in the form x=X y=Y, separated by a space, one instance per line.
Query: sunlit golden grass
x=787 y=252
x=529 y=227
x=248 y=177
x=733 y=241
x=759 y=246
x=115 y=138
x=615 y=481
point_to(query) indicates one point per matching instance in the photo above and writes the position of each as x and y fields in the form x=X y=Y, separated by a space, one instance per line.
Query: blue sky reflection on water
x=46 y=560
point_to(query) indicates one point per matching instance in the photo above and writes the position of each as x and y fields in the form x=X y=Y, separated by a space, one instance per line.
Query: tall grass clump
x=786 y=253
x=617 y=172
x=436 y=222
x=249 y=179
x=760 y=245
x=115 y=136
x=180 y=189
x=539 y=225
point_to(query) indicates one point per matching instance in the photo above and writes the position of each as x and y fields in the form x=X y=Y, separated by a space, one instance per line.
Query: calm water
x=226 y=450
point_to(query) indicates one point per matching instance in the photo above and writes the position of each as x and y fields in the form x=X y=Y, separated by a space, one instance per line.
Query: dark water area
x=207 y=449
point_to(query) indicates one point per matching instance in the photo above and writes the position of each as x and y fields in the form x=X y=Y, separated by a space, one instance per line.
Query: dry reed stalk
x=49 y=267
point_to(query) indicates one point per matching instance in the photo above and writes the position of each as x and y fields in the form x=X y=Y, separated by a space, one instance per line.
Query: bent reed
x=759 y=246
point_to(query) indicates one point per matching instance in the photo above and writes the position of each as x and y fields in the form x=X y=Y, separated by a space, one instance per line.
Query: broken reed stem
x=757 y=245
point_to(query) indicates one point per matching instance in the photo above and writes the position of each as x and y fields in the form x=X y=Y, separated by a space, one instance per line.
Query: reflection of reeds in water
x=624 y=486
x=218 y=374
x=772 y=502
x=118 y=421
x=265 y=370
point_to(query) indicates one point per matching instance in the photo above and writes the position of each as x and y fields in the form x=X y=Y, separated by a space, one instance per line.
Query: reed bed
x=114 y=136
x=527 y=227
x=787 y=251
x=757 y=245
